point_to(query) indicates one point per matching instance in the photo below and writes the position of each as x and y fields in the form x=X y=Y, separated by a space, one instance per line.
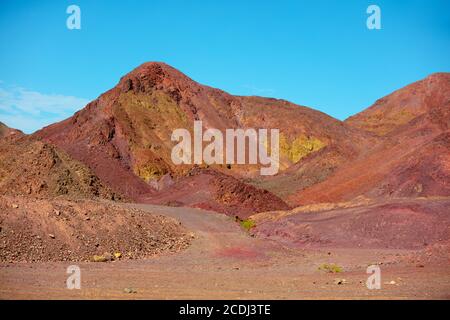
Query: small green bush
x=247 y=224
x=331 y=268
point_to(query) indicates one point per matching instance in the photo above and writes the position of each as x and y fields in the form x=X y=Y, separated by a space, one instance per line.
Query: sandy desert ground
x=102 y=186
x=225 y=262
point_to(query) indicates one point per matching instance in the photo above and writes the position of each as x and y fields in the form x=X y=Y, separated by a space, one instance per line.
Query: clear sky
x=317 y=53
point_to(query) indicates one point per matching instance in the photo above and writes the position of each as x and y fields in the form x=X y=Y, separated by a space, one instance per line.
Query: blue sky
x=314 y=53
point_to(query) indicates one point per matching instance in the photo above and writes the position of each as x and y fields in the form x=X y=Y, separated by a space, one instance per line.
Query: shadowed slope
x=31 y=167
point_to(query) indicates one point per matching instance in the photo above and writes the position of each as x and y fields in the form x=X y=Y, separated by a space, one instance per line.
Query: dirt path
x=224 y=262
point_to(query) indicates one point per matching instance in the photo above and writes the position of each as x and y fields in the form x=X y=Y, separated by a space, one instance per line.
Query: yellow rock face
x=150 y=172
x=300 y=147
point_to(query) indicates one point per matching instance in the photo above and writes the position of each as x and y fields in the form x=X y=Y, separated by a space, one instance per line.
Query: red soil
x=395 y=224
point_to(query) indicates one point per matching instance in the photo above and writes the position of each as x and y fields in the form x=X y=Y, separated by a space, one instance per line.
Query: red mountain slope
x=412 y=157
x=124 y=135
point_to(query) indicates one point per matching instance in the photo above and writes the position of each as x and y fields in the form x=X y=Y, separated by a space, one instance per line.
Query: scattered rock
x=340 y=281
x=99 y=259
x=15 y=206
x=108 y=256
x=129 y=290
x=25 y=237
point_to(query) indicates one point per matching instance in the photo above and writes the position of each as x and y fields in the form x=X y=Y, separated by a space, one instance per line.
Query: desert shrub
x=331 y=268
x=247 y=224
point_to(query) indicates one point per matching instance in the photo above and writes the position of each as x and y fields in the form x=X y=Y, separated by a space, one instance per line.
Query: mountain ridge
x=123 y=136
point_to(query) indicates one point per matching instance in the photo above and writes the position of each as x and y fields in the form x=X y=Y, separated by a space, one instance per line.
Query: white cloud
x=30 y=110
